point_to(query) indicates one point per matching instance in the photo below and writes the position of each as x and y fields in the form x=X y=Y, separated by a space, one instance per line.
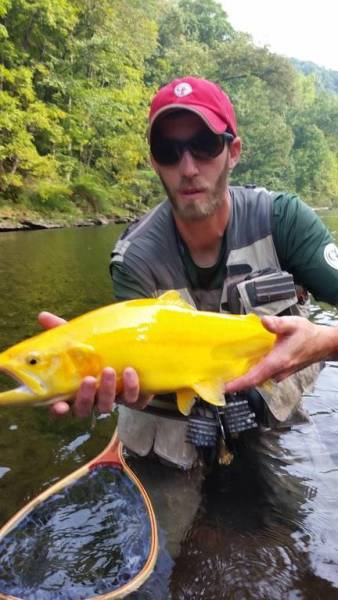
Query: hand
x=299 y=343
x=103 y=397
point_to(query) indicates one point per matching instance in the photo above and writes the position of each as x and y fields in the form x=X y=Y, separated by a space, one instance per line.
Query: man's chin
x=194 y=211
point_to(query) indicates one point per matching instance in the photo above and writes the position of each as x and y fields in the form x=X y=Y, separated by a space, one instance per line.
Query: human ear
x=154 y=164
x=234 y=152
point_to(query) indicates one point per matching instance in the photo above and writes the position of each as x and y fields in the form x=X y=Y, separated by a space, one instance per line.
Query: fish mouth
x=27 y=389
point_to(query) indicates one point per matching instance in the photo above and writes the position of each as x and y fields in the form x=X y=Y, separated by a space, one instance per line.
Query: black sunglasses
x=203 y=146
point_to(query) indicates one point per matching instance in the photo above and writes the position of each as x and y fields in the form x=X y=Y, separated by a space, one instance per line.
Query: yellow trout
x=172 y=346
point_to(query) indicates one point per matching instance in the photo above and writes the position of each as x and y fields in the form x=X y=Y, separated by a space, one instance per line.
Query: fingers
x=131 y=387
x=59 y=409
x=90 y=396
x=85 y=398
x=132 y=397
x=281 y=325
x=47 y=320
x=102 y=397
x=253 y=378
x=106 y=394
x=276 y=365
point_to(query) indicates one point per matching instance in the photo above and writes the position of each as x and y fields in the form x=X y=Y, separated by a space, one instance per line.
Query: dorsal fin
x=173 y=297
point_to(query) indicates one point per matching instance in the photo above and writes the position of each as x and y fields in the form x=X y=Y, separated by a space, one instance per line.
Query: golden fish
x=172 y=346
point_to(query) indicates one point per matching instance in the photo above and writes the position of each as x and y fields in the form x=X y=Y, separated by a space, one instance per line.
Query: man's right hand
x=100 y=397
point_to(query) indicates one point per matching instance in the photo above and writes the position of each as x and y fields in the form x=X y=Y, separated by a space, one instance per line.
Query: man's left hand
x=299 y=343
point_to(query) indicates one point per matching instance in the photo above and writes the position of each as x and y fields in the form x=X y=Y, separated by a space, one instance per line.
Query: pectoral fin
x=185 y=400
x=211 y=391
x=86 y=359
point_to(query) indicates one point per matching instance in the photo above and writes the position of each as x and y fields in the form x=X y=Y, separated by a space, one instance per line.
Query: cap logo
x=182 y=89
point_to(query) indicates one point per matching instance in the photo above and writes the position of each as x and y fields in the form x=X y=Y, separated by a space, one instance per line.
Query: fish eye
x=32 y=360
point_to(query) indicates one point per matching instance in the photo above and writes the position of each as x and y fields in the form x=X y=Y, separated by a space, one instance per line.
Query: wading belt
x=207 y=423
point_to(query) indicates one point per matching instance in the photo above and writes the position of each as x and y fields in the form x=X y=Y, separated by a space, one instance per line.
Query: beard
x=197 y=209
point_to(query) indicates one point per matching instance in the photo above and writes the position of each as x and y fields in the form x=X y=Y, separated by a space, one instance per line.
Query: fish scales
x=173 y=347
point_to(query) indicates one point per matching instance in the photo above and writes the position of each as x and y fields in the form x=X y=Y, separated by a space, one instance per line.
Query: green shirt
x=300 y=239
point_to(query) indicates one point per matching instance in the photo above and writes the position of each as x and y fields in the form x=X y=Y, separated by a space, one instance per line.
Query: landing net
x=90 y=538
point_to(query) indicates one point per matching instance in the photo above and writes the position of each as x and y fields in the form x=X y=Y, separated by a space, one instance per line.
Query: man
x=225 y=249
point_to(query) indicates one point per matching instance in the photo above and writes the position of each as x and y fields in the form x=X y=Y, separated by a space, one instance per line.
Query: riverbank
x=22 y=219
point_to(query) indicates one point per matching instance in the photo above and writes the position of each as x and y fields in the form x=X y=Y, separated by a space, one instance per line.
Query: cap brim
x=212 y=120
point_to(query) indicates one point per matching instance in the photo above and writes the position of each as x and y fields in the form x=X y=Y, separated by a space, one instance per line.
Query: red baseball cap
x=200 y=96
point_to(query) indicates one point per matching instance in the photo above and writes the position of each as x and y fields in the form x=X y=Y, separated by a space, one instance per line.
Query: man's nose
x=187 y=165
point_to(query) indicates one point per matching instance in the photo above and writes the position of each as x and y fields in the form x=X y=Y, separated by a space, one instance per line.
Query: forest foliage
x=327 y=79
x=76 y=78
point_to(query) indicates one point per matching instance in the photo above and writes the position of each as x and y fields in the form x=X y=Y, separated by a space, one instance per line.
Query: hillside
x=326 y=78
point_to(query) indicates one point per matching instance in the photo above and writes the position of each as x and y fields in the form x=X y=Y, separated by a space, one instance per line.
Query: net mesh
x=90 y=538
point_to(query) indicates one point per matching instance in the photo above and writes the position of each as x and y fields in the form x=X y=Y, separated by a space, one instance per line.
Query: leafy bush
x=148 y=188
x=144 y=191
x=47 y=196
x=89 y=192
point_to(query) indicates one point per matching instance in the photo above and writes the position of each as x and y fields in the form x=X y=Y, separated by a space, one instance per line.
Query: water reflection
x=63 y=271
x=267 y=526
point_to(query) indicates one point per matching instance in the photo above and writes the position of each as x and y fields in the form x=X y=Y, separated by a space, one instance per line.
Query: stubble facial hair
x=194 y=211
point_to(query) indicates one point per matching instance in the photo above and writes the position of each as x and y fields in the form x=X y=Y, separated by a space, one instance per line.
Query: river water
x=265 y=529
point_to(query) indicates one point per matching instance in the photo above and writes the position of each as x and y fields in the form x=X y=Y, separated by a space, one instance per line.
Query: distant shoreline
x=35 y=222
x=32 y=225
x=31 y=222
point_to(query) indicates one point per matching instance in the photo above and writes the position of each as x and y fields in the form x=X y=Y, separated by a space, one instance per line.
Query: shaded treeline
x=327 y=79
x=76 y=77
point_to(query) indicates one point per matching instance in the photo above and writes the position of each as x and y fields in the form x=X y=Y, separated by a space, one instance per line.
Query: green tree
x=76 y=78
x=315 y=150
x=205 y=22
